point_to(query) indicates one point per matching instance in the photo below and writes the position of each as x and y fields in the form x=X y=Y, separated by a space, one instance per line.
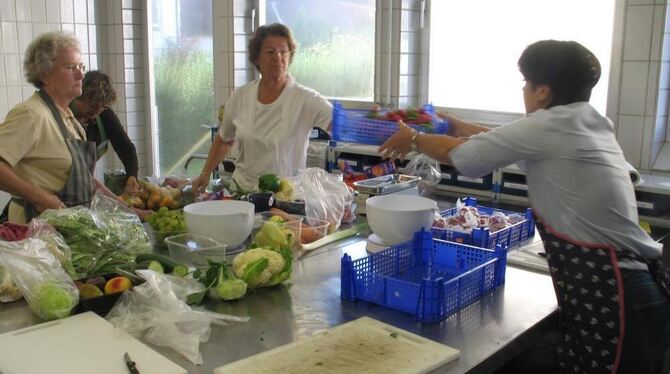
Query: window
x=336 y=49
x=183 y=80
x=475 y=47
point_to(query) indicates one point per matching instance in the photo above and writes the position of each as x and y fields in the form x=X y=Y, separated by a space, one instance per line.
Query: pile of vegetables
x=100 y=241
x=412 y=116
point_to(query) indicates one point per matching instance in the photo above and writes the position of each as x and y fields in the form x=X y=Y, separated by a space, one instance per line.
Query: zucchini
x=167 y=262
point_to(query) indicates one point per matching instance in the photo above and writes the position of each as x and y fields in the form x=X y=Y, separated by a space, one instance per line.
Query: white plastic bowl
x=227 y=221
x=394 y=218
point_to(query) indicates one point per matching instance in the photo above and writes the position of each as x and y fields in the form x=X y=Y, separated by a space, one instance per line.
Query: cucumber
x=167 y=262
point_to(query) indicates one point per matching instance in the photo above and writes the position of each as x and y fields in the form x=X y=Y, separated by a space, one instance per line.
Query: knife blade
x=132 y=366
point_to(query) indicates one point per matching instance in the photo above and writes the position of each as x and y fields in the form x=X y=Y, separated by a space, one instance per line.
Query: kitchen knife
x=132 y=366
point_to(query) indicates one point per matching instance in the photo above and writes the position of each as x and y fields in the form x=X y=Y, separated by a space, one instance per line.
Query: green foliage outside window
x=185 y=100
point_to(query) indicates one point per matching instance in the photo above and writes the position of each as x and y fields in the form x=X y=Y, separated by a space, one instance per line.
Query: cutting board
x=364 y=345
x=84 y=343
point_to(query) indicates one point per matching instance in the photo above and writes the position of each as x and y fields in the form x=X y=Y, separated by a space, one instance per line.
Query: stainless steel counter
x=487 y=333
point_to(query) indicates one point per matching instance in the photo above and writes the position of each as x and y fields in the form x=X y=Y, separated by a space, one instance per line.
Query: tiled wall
x=122 y=56
x=113 y=44
x=643 y=92
x=21 y=21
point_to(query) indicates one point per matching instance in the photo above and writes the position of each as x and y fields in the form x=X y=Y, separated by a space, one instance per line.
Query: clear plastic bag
x=102 y=238
x=48 y=289
x=326 y=195
x=428 y=169
x=157 y=312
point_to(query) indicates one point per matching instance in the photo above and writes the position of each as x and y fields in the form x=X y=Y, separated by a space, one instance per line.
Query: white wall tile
x=3 y=103
x=647 y=141
x=24 y=31
x=38 y=9
x=23 y=12
x=664 y=78
x=7 y=10
x=14 y=96
x=638 y=2
x=53 y=26
x=662 y=103
x=67 y=11
x=629 y=135
x=91 y=7
x=655 y=150
x=652 y=89
x=67 y=27
x=92 y=38
x=39 y=28
x=657 y=33
x=52 y=11
x=660 y=132
x=3 y=82
x=9 y=38
x=80 y=11
x=12 y=70
x=27 y=91
x=633 y=87
x=638 y=32
x=81 y=31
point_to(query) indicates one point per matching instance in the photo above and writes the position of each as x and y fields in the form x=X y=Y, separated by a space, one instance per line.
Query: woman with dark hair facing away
x=103 y=126
x=610 y=284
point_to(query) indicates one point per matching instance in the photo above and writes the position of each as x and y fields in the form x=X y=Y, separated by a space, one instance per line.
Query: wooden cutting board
x=364 y=345
x=84 y=343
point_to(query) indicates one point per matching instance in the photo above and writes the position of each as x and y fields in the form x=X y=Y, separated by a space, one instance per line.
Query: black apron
x=78 y=189
x=589 y=290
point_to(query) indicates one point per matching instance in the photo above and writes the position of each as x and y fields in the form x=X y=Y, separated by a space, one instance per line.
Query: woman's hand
x=200 y=183
x=399 y=144
x=143 y=213
x=132 y=187
x=48 y=201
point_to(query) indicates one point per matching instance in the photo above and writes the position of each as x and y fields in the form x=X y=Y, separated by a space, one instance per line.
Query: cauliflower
x=263 y=266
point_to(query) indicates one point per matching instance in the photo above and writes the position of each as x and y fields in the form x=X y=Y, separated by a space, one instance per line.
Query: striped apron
x=78 y=190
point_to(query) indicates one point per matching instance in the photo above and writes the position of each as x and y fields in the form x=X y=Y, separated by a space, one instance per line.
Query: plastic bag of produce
x=428 y=169
x=326 y=196
x=156 y=311
x=102 y=238
x=47 y=288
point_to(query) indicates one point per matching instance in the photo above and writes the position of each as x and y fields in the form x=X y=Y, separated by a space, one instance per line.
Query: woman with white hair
x=45 y=160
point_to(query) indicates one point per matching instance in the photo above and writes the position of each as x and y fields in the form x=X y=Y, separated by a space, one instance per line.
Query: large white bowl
x=395 y=218
x=227 y=221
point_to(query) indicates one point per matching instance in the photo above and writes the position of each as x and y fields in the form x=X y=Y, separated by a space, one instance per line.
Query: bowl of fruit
x=165 y=223
x=98 y=294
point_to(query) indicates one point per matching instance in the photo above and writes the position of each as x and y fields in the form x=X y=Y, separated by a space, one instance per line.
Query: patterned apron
x=589 y=289
x=78 y=189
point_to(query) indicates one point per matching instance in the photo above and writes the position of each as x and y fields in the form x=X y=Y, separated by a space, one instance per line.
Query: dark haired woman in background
x=613 y=308
x=103 y=126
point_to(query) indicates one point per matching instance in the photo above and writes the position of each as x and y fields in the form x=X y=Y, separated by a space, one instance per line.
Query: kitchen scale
x=386 y=184
x=375 y=244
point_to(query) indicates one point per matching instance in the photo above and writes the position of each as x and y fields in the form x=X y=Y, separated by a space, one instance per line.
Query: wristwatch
x=414 y=135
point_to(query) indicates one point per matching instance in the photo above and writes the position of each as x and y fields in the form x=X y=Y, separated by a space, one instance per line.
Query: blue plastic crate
x=352 y=125
x=427 y=277
x=508 y=237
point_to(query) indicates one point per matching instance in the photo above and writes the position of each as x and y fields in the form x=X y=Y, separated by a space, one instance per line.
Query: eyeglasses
x=76 y=67
x=281 y=52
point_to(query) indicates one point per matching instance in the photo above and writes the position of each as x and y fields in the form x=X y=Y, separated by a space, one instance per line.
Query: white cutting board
x=361 y=346
x=84 y=343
